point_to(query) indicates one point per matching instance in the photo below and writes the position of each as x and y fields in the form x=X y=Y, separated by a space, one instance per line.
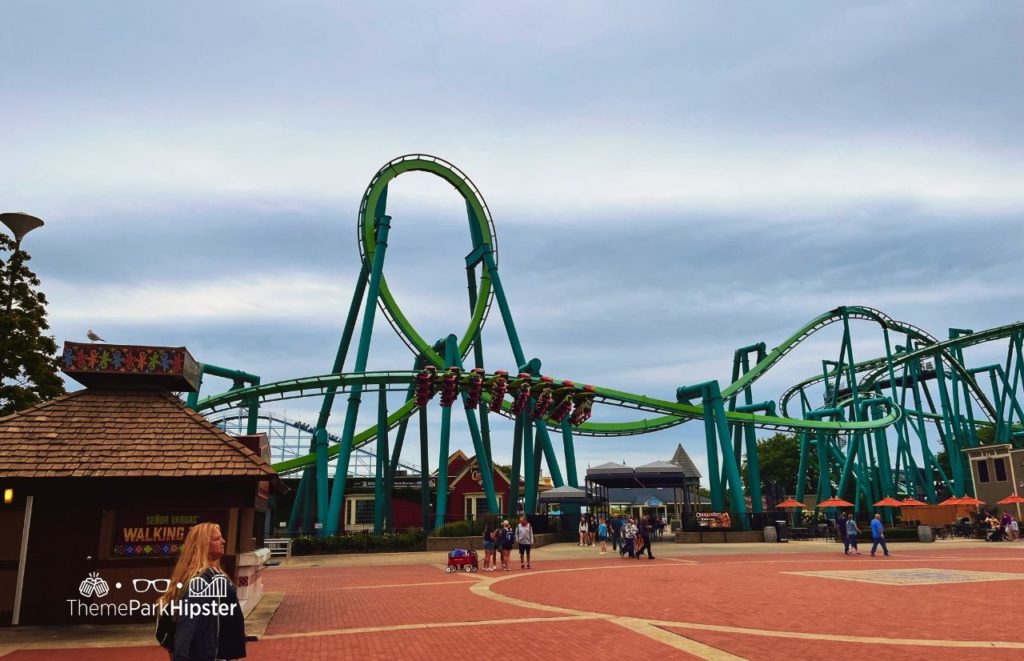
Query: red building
x=466 y=498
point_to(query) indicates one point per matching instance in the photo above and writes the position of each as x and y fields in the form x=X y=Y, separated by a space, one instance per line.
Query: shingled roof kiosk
x=102 y=485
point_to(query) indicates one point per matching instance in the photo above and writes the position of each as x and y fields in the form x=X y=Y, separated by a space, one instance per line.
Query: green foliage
x=779 y=460
x=28 y=359
x=413 y=540
x=465 y=528
x=986 y=435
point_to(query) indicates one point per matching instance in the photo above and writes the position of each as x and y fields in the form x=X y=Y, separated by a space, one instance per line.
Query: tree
x=779 y=461
x=28 y=359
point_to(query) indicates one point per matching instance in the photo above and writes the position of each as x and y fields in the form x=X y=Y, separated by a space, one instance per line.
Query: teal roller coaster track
x=869 y=405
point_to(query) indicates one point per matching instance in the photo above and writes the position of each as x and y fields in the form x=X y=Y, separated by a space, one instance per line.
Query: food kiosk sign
x=714 y=520
x=158 y=534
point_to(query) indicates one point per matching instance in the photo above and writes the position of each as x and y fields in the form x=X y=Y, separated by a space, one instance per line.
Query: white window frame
x=350 y=513
x=471 y=500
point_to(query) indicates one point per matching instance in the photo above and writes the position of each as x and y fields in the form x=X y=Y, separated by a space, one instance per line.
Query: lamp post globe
x=20 y=223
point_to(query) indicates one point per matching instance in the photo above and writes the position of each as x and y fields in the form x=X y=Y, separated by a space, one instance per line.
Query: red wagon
x=462 y=560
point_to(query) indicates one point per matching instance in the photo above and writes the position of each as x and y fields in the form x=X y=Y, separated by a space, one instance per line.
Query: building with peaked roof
x=682 y=459
x=659 y=486
x=102 y=485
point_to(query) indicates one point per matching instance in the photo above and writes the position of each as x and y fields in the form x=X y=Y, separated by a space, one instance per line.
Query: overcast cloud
x=669 y=181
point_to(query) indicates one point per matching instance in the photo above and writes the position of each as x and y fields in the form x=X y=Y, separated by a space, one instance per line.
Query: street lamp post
x=20 y=224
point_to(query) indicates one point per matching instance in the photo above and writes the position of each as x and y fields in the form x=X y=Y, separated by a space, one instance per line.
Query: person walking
x=524 y=536
x=583 y=531
x=208 y=627
x=852 y=531
x=878 y=535
x=629 y=531
x=647 y=529
x=602 y=535
x=841 y=532
x=616 y=526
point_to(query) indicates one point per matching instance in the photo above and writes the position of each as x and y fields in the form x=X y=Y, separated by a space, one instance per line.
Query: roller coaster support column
x=1005 y=408
x=451 y=358
x=541 y=433
x=951 y=438
x=569 y=512
x=740 y=366
x=927 y=480
x=320 y=431
x=478 y=346
x=855 y=450
x=425 y=471
x=753 y=465
x=570 y=453
x=548 y=450
x=886 y=482
x=538 y=450
x=715 y=421
x=487 y=255
x=857 y=412
x=380 y=512
x=352 y=411
x=1017 y=369
x=512 y=506
x=300 y=499
x=902 y=435
x=529 y=459
x=396 y=452
x=483 y=456
x=824 y=488
x=801 y=471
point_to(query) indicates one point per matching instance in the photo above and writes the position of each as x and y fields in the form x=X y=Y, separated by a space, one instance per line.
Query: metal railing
x=279 y=547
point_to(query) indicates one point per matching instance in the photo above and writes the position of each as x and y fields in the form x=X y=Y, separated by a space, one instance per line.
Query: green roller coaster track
x=865 y=401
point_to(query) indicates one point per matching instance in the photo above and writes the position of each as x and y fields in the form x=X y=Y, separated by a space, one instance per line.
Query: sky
x=669 y=181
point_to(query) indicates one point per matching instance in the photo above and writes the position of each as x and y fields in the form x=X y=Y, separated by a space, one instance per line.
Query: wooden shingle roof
x=124 y=434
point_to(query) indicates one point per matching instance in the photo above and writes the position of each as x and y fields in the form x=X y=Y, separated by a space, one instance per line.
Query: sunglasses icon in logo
x=158 y=584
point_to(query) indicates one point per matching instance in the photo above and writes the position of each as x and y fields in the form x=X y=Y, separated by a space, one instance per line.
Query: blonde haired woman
x=203 y=602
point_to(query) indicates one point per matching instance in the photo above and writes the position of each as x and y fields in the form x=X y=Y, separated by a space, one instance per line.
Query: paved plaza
x=947 y=600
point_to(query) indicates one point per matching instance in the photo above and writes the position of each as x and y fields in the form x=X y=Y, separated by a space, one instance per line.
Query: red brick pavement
x=749 y=591
x=584 y=640
x=581 y=640
x=758 y=592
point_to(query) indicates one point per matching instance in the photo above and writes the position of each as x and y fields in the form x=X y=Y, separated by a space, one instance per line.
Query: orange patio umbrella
x=792 y=503
x=952 y=502
x=971 y=500
x=835 y=502
x=1012 y=499
x=888 y=501
x=912 y=502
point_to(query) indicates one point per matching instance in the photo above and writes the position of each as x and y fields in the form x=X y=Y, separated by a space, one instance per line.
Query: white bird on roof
x=93 y=336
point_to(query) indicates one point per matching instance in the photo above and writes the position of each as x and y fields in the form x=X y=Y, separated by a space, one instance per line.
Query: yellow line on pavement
x=426 y=625
x=870 y=640
x=675 y=640
x=398 y=585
